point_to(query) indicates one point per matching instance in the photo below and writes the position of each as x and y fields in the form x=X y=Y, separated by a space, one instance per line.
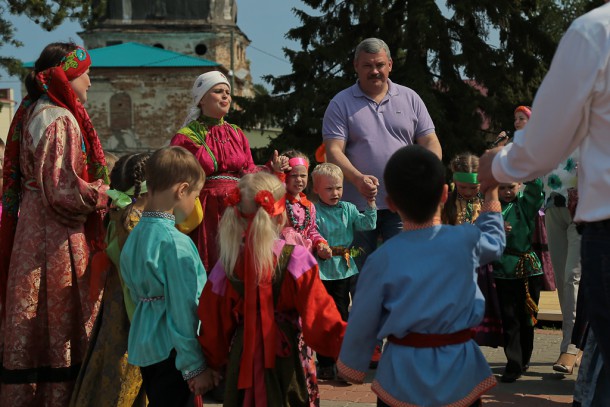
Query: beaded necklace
x=468 y=212
x=293 y=220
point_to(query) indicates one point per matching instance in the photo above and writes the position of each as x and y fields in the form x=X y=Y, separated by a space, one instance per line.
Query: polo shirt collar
x=357 y=92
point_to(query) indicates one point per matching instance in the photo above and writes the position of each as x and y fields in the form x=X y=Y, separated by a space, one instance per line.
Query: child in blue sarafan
x=337 y=221
x=419 y=290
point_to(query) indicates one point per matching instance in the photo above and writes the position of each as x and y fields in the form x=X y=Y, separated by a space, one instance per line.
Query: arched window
x=120 y=112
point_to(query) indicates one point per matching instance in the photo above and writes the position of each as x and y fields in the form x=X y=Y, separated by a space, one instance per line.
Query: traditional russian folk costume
x=223 y=151
x=301 y=228
x=337 y=223
x=106 y=379
x=489 y=332
x=518 y=276
x=54 y=187
x=418 y=288
x=263 y=360
x=161 y=267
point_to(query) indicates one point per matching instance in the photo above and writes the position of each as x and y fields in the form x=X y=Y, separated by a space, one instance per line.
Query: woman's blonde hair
x=264 y=229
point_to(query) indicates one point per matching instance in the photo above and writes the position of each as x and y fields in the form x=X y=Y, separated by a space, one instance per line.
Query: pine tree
x=48 y=14
x=468 y=58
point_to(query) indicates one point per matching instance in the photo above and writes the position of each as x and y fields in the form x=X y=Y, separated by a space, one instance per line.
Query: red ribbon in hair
x=265 y=200
x=256 y=291
x=233 y=197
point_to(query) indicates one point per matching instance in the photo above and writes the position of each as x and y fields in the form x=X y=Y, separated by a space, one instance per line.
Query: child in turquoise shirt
x=337 y=221
x=165 y=277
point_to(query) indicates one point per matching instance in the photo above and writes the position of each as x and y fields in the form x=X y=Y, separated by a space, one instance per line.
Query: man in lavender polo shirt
x=364 y=125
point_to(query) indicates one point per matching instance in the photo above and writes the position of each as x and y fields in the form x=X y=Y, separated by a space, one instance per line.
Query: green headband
x=467 y=177
x=122 y=199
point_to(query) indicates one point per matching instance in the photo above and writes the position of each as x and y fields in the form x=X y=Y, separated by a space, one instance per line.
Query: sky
x=265 y=23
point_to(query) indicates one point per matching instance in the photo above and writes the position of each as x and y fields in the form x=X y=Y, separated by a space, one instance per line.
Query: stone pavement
x=540 y=386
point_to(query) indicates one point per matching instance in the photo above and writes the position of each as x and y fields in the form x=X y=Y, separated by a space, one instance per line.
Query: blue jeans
x=595 y=280
x=591 y=389
x=388 y=225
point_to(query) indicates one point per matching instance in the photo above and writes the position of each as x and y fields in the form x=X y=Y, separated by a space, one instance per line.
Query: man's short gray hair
x=372 y=46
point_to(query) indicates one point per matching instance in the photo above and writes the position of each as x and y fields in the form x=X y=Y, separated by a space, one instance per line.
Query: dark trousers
x=595 y=280
x=339 y=290
x=518 y=333
x=477 y=403
x=164 y=384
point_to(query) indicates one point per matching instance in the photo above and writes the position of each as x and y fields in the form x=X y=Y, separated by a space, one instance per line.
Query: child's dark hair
x=464 y=162
x=172 y=165
x=414 y=179
x=129 y=171
x=52 y=55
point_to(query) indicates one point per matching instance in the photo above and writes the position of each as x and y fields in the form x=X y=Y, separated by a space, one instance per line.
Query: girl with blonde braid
x=261 y=297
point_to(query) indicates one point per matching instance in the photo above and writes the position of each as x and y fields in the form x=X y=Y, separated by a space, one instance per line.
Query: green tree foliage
x=48 y=14
x=466 y=58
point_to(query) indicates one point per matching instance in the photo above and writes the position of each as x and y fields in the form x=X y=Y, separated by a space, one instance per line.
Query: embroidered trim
x=158 y=214
x=151 y=299
x=351 y=375
x=475 y=394
x=188 y=375
x=227 y=177
x=418 y=226
x=491 y=206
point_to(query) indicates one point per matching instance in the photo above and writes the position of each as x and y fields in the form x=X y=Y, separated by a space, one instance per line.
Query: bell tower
x=201 y=28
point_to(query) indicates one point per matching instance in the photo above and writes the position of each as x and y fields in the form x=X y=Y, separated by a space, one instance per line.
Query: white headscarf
x=201 y=86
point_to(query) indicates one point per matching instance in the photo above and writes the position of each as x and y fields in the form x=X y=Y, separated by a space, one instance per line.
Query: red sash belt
x=416 y=340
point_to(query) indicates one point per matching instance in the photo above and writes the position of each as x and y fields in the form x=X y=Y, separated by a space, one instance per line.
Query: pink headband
x=298 y=161
x=526 y=110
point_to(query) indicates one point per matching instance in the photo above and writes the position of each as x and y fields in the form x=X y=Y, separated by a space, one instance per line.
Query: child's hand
x=279 y=162
x=204 y=382
x=372 y=202
x=324 y=251
x=367 y=186
x=507 y=227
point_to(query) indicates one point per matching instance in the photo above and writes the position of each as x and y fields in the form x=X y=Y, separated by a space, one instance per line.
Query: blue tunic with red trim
x=424 y=281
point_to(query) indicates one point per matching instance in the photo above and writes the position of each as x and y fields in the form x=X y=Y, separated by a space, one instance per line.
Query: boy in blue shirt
x=419 y=290
x=165 y=276
x=337 y=221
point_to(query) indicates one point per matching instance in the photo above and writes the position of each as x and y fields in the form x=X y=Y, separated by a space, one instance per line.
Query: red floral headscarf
x=55 y=83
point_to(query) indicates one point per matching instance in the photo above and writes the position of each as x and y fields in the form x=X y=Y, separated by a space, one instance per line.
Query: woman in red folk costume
x=54 y=186
x=255 y=297
x=223 y=151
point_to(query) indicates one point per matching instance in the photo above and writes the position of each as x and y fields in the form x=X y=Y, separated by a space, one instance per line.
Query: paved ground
x=540 y=386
